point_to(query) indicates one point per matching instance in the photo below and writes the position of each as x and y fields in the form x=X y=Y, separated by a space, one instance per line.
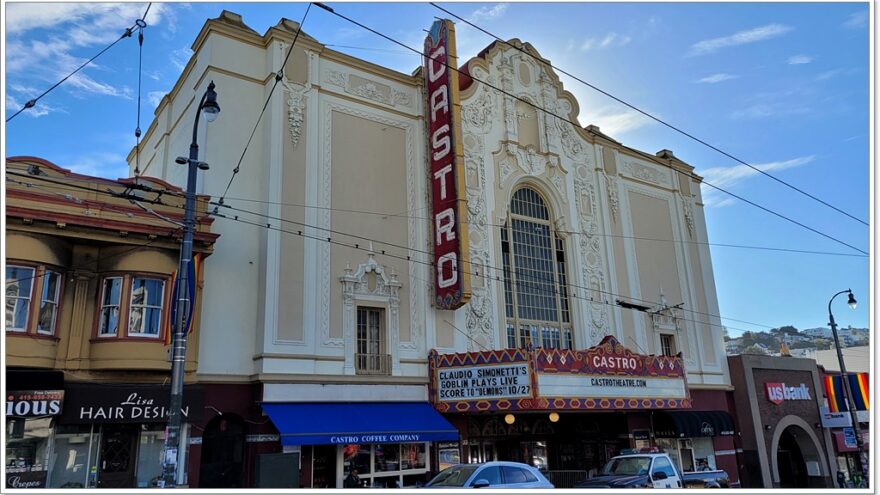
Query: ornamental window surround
x=536 y=299
x=370 y=319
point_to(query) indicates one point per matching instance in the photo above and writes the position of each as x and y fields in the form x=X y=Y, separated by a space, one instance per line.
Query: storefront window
x=704 y=454
x=149 y=459
x=73 y=453
x=27 y=450
x=388 y=465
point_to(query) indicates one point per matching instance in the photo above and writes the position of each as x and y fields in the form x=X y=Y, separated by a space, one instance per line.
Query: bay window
x=25 y=284
x=132 y=306
x=19 y=288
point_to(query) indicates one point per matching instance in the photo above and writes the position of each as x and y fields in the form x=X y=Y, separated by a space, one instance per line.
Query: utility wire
x=408 y=258
x=548 y=112
x=31 y=103
x=141 y=23
x=278 y=76
x=657 y=119
x=564 y=232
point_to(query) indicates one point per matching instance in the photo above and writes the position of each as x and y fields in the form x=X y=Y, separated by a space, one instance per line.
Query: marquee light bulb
x=509 y=419
x=554 y=417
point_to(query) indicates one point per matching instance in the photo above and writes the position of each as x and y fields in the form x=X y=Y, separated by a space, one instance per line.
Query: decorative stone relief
x=479 y=114
x=645 y=173
x=688 y=215
x=613 y=199
x=366 y=88
x=296 y=104
x=592 y=274
x=572 y=144
x=356 y=286
x=480 y=320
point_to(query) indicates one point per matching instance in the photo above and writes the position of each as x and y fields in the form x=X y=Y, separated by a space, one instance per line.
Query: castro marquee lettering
x=450 y=283
x=615 y=362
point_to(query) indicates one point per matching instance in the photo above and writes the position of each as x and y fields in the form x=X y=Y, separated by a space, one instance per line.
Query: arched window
x=535 y=280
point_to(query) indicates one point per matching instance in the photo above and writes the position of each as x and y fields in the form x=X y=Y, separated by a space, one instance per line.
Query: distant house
x=807 y=352
x=822 y=332
x=733 y=346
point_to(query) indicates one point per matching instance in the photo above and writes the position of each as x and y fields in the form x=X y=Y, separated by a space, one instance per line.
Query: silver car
x=497 y=474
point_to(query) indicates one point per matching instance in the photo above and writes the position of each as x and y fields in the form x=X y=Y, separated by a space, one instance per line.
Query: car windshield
x=454 y=476
x=627 y=466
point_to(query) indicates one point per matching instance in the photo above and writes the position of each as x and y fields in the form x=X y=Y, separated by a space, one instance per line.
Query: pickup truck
x=652 y=470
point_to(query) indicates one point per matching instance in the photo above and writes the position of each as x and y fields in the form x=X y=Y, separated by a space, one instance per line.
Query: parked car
x=652 y=470
x=497 y=474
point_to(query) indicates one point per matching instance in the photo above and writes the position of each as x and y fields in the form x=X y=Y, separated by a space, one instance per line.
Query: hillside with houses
x=798 y=343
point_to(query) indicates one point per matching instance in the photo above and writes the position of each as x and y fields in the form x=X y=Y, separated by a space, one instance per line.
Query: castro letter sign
x=451 y=283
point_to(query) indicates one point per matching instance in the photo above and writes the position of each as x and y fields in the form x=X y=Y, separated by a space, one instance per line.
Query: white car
x=496 y=474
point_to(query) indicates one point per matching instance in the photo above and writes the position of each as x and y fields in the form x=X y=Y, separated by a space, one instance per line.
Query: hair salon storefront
x=564 y=410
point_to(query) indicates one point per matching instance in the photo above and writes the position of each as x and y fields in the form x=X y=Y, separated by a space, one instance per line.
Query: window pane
x=18 y=281
x=154 y=291
x=138 y=292
x=112 y=290
x=357 y=456
x=387 y=457
x=50 y=286
x=154 y=316
x=47 y=317
x=109 y=320
x=491 y=474
x=149 y=463
x=136 y=322
x=513 y=475
x=412 y=456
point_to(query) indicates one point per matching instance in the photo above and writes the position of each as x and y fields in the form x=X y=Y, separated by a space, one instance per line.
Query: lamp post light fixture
x=171 y=454
x=850 y=404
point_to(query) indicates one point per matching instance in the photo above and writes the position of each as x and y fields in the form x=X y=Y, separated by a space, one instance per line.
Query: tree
x=755 y=349
x=788 y=329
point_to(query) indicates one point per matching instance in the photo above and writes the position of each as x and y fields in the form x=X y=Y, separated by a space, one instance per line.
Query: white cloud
x=613 y=122
x=799 y=60
x=772 y=109
x=609 y=40
x=488 y=13
x=42 y=40
x=155 y=97
x=856 y=20
x=180 y=57
x=741 y=38
x=728 y=177
x=99 y=164
x=716 y=78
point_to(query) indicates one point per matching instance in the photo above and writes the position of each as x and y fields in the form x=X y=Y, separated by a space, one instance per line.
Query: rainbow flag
x=195 y=273
x=858 y=386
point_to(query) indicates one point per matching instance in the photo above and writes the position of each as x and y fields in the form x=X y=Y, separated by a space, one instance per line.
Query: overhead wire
x=560 y=231
x=414 y=250
x=137 y=131
x=656 y=119
x=358 y=247
x=278 y=77
x=563 y=119
x=32 y=102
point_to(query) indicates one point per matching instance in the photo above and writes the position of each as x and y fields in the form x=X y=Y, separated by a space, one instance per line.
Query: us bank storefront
x=566 y=410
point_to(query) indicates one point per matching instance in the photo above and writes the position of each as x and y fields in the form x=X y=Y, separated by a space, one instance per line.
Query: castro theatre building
x=572 y=314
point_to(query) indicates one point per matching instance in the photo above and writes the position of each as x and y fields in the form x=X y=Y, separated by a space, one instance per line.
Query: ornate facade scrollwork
x=296 y=105
x=590 y=249
x=480 y=320
x=688 y=215
x=613 y=198
x=480 y=113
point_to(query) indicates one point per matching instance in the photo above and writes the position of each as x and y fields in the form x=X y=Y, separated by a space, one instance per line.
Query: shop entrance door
x=116 y=468
x=790 y=460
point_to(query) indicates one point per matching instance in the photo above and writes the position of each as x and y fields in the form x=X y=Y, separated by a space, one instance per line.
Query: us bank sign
x=449 y=202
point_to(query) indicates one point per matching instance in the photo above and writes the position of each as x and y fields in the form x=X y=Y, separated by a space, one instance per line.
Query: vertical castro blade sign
x=451 y=280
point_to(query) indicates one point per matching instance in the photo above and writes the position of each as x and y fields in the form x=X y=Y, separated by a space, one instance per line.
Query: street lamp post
x=209 y=106
x=850 y=404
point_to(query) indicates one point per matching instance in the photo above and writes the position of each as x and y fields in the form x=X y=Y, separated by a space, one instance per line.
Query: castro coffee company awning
x=359 y=422
x=693 y=424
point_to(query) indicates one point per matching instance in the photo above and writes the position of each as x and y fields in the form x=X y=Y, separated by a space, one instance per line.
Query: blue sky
x=783 y=86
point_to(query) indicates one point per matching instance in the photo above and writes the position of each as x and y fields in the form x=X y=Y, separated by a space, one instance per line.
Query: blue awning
x=360 y=422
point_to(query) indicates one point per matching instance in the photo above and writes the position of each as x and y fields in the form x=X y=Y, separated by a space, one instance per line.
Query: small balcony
x=372 y=364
